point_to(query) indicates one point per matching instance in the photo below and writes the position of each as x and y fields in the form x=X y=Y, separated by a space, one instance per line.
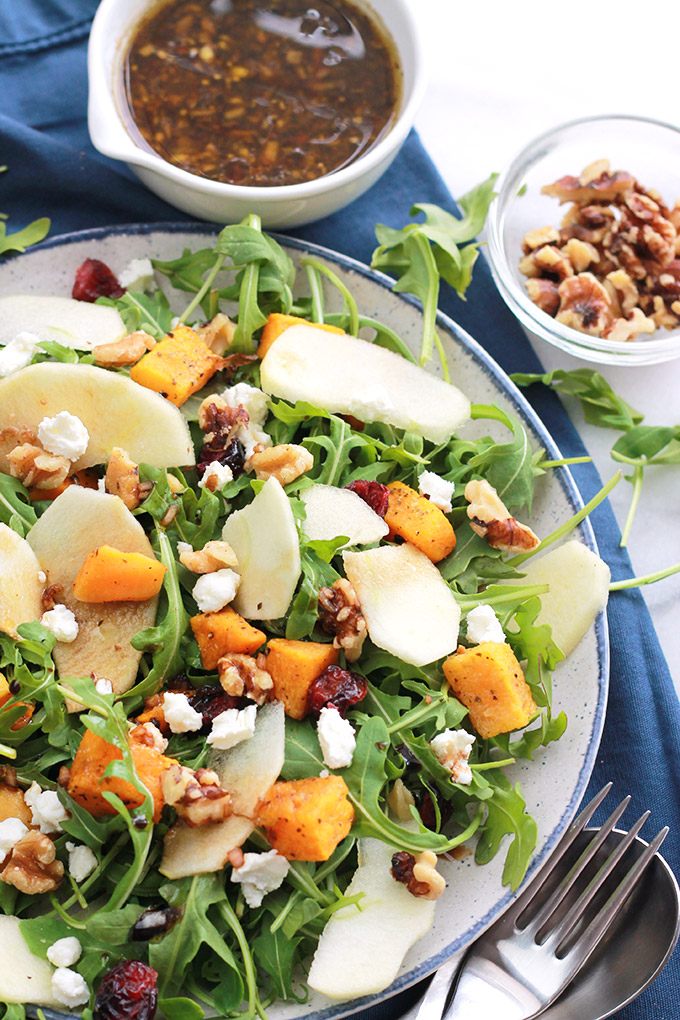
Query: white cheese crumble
x=69 y=987
x=483 y=625
x=232 y=727
x=81 y=861
x=373 y=402
x=437 y=489
x=138 y=275
x=184 y=547
x=64 y=952
x=222 y=474
x=179 y=715
x=47 y=811
x=101 y=484
x=42 y=576
x=18 y=353
x=11 y=831
x=61 y=622
x=260 y=874
x=452 y=748
x=336 y=737
x=214 y=591
x=64 y=435
x=250 y=436
x=103 y=686
x=251 y=398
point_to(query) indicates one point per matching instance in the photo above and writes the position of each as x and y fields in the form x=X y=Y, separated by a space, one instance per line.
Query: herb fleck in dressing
x=253 y=94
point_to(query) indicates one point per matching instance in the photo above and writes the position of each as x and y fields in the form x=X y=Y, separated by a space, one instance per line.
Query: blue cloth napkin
x=54 y=171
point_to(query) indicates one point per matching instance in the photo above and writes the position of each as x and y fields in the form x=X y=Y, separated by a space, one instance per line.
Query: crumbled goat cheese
x=214 y=591
x=222 y=474
x=336 y=737
x=175 y=322
x=232 y=727
x=101 y=484
x=452 y=748
x=324 y=774
x=81 y=861
x=373 y=402
x=64 y=952
x=251 y=398
x=64 y=435
x=42 y=576
x=18 y=353
x=179 y=715
x=47 y=811
x=138 y=275
x=483 y=625
x=11 y=831
x=61 y=622
x=69 y=987
x=184 y=547
x=260 y=874
x=103 y=686
x=251 y=437
x=437 y=489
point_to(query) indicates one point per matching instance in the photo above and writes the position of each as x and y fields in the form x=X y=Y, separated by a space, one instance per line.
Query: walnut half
x=340 y=614
x=197 y=797
x=285 y=462
x=32 y=867
x=241 y=675
x=491 y=519
x=418 y=873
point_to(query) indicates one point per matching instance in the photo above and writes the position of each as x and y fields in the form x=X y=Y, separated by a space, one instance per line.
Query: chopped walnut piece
x=126 y=351
x=626 y=291
x=589 y=223
x=32 y=867
x=648 y=229
x=418 y=873
x=545 y=294
x=537 y=238
x=340 y=614
x=661 y=315
x=213 y=556
x=604 y=188
x=51 y=596
x=491 y=519
x=208 y=409
x=122 y=478
x=243 y=675
x=547 y=261
x=197 y=797
x=584 y=304
x=594 y=170
x=629 y=328
x=217 y=334
x=285 y=462
x=580 y=253
x=174 y=484
x=149 y=735
x=36 y=468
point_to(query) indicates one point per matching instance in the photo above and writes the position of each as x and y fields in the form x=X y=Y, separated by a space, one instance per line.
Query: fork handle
x=485 y=990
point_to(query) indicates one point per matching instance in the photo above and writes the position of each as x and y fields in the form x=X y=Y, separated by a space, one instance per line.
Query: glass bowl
x=648 y=149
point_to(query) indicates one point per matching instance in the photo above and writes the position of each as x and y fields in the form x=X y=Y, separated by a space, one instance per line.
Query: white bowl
x=287 y=206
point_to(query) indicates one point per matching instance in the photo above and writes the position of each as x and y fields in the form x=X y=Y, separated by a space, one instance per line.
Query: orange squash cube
x=86 y=478
x=418 y=521
x=489 y=681
x=277 y=323
x=305 y=819
x=179 y=365
x=293 y=666
x=13 y=805
x=109 y=575
x=223 y=632
x=87 y=783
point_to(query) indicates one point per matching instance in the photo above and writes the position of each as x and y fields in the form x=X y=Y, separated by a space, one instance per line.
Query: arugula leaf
x=22 y=239
x=277 y=954
x=149 y=312
x=509 y=467
x=16 y=510
x=316 y=573
x=601 y=405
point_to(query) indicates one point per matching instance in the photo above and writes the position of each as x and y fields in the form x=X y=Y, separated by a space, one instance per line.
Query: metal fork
x=526 y=959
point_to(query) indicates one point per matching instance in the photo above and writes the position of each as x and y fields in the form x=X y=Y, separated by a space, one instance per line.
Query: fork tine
x=576 y=911
x=598 y=926
x=574 y=830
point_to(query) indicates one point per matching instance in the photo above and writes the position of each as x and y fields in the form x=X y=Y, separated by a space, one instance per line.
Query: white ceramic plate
x=555 y=781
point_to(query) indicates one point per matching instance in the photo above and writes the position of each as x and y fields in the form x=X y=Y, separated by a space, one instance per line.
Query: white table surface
x=502 y=73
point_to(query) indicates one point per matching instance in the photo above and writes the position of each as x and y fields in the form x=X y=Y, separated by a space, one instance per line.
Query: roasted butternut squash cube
x=418 y=521
x=87 y=783
x=489 y=681
x=13 y=805
x=305 y=819
x=293 y=666
x=86 y=478
x=223 y=632
x=177 y=366
x=277 y=323
x=109 y=575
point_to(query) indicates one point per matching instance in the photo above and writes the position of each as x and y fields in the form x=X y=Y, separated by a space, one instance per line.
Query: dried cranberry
x=412 y=762
x=402 y=866
x=94 y=279
x=426 y=808
x=375 y=494
x=153 y=922
x=233 y=455
x=127 y=992
x=335 y=687
x=211 y=701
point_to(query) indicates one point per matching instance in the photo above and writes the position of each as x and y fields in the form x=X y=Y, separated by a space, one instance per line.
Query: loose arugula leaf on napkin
x=20 y=240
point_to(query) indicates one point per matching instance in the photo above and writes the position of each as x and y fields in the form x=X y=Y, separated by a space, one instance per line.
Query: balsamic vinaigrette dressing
x=260 y=93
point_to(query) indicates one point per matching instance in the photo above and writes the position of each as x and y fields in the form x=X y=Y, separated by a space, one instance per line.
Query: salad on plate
x=271 y=633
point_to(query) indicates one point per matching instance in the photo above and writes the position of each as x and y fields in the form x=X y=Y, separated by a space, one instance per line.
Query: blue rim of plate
x=529 y=417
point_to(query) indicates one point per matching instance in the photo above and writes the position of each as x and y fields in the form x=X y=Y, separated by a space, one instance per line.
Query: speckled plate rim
x=529 y=418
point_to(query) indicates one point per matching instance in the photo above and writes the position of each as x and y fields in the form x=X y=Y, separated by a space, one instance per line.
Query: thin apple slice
x=264 y=537
x=350 y=376
x=361 y=950
x=75 y=524
x=24 y=977
x=409 y=608
x=188 y=851
x=76 y=324
x=332 y=512
x=114 y=410
x=20 y=587
x=579 y=590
